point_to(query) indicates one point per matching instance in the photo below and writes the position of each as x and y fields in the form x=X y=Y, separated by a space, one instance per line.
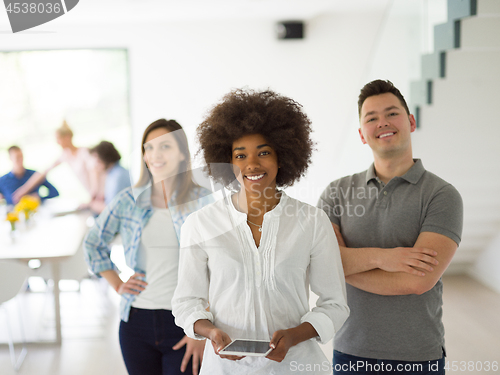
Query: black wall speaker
x=290 y=30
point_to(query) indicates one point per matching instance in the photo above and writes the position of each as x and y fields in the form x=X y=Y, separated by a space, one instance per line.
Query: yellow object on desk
x=12 y=217
x=27 y=204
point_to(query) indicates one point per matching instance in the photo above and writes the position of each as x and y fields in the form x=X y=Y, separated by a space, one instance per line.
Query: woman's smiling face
x=257 y=161
x=162 y=154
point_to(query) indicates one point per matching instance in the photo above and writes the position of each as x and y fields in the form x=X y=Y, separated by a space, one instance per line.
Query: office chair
x=13 y=276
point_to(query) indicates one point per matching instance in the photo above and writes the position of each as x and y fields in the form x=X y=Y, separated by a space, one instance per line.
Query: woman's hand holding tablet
x=284 y=339
x=242 y=348
x=218 y=337
x=275 y=350
x=220 y=340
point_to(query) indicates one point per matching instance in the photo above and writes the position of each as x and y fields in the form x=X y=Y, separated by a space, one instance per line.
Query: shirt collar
x=370 y=174
x=415 y=172
x=142 y=196
x=275 y=212
x=11 y=174
x=412 y=175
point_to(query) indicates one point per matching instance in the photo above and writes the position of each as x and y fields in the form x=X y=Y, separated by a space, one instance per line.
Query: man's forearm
x=378 y=281
x=433 y=253
x=355 y=261
x=398 y=271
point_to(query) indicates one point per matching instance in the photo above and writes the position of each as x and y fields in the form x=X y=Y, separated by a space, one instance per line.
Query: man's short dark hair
x=379 y=87
x=107 y=152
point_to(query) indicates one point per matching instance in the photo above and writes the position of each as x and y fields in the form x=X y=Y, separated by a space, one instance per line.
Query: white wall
x=179 y=69
x=485 y=269
x=458 y=140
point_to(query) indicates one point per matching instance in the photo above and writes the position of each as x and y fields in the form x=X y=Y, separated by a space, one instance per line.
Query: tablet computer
x=243 y=348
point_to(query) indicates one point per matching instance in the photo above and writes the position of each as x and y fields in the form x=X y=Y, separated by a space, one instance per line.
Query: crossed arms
x=398 y=271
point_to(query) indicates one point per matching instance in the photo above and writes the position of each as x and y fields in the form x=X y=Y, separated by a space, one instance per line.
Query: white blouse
x=81 y=163
x=254 y=292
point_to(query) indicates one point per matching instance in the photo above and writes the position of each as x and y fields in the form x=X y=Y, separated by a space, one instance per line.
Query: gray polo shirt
x=372 y=214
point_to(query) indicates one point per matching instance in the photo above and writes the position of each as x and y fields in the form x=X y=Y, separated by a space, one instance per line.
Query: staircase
x=457 y=105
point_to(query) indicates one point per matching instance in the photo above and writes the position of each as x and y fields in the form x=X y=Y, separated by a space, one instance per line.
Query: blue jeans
x=146 y=341
x=346 y=364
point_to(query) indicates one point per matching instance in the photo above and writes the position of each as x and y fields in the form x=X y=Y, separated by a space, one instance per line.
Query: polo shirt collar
x=370 y=174
x=415 y=172
x=412 y=176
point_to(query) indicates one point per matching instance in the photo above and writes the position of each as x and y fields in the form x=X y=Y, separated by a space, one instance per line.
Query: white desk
x=48 y=238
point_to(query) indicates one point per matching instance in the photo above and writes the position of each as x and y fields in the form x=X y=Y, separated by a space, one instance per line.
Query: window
x=87 y=88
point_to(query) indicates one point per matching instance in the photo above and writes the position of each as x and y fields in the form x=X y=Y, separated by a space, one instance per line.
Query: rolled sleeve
x=97 y=252
x=96 y=244
x=190 y=300
x=322 y=324
x=328 y=282
x=193 y=318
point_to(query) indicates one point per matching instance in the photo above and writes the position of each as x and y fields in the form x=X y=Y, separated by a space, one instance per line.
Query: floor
x=472 y=323
x=90 y=326
x=89 y=329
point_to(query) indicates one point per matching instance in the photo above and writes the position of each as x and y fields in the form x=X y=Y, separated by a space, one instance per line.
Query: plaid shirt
x=127 y=214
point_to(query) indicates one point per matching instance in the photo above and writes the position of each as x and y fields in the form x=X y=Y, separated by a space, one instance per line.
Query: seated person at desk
x=19 y=175
x=78 y=159
x=107 y=161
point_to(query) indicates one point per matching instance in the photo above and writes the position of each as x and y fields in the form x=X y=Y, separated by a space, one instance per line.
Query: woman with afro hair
x=247 y=261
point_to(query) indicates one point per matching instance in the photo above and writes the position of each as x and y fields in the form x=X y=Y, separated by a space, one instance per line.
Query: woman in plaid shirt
x=149 y=217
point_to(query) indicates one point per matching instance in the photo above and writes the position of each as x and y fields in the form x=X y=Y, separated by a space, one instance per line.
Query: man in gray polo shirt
x=398 y=227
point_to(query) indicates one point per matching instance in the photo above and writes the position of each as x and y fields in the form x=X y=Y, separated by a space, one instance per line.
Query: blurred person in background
x=80 y=162
x=107 y=161
x=16 y=178
x=148 y=217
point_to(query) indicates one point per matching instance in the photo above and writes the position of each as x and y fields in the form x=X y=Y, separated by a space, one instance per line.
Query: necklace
x=257 y=225
x=248 y=221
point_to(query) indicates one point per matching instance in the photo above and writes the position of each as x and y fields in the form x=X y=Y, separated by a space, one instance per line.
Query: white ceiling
x=112 y=11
